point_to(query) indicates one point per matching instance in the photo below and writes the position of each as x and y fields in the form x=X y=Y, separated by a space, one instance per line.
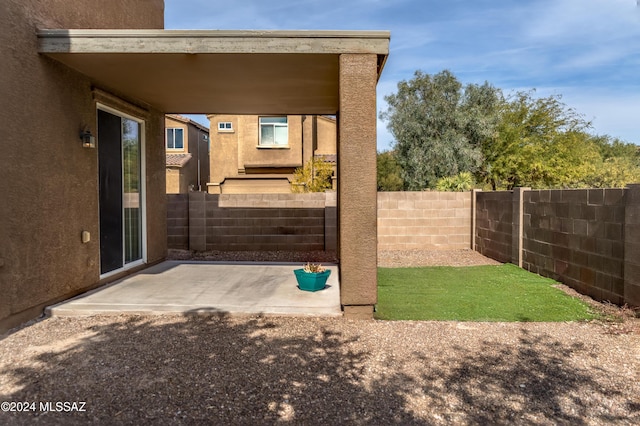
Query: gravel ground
x=411 y=258
x=173 y=369
x=255 y=256
x=387 y=259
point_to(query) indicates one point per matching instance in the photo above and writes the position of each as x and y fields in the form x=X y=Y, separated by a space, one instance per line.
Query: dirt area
x=412 y=258
x=172 y=369
x=387 y=259
x=214 y=369
x=254 y=256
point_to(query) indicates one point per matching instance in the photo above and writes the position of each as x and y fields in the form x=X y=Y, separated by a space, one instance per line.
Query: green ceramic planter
x=311 y=281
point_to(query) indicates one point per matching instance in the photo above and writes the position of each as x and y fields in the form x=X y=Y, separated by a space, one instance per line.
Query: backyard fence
x=252 y=222
x=425 y=220
x=588 y=239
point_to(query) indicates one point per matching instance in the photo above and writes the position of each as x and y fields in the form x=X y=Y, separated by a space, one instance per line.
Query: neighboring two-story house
x=259 y=154
x=187 y=148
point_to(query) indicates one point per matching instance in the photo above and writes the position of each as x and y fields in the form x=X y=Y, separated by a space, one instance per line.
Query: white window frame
x=166 y=138
x=225 y=126
x=274 y=125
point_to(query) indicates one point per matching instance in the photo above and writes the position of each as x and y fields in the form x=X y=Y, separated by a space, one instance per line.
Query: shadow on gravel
x=204 y=369
x=530 y=383
x=210 y=369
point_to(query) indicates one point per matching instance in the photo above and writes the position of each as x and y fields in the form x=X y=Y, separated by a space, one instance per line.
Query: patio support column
x=357 y=190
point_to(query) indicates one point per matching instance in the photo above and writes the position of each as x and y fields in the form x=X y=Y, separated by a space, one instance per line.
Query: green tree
x=614 y=172
x=613 y=147
x=438 y=127
x=389 y=172
x=315 y=176
x=442 y=130
x=619 y=164
x=463 y=181
x=539 y=142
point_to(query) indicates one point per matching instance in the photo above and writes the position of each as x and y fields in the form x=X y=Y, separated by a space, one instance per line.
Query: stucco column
x=357 y=191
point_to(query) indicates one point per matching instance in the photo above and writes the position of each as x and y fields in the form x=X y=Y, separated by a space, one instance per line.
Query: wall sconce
x=88 y=140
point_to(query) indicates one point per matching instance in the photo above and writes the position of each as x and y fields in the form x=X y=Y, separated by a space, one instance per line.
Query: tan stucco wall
x=176 y=182
x=327 y=135
x=357 y=192
x=48 y=181
x=227 y=161
x=252 y=155
x=276 y=185
x=223 y=149
x=156 y=183
x=234 y=153
x=179 y=180
x=84 y=14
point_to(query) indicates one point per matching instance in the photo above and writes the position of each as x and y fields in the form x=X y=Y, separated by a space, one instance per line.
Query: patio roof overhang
x=234 y=72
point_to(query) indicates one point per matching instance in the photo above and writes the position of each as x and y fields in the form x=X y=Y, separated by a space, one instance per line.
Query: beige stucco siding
x=223 y=149
x=176 y=183
x=156 y=208
x=357 y=193
x=182 y=179
x=237 y=152
x=48 y=181
x=255 y=155
x=326 y=131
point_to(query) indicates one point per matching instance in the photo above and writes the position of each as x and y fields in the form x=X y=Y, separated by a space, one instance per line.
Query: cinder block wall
x=577 y=237
x=406 y=221
x=261 y=222
x=494 y=219
x=178 y=221
x=424 y=220
x=585 y=238
x=632 y=246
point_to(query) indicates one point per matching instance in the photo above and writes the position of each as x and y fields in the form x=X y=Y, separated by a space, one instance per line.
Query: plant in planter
x=312 y=277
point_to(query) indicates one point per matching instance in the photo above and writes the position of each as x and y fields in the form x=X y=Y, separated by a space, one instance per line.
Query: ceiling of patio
x=234 y=72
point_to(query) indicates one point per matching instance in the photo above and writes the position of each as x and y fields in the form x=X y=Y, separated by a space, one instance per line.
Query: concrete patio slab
x=208 y=287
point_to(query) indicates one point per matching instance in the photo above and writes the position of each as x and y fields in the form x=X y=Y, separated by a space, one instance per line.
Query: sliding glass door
x=121 y=180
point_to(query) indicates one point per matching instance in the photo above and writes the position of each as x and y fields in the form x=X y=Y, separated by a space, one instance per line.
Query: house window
x=225 y=126
x=274 y=131
x=175 y=138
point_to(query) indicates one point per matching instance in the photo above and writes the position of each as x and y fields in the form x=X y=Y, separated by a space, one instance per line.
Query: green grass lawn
x=474 y=293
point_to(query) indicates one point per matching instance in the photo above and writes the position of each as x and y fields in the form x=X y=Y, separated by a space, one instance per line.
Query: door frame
x=143 y=189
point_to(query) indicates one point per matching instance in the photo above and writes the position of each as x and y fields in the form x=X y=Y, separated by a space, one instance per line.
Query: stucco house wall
x=62 y=60
x=48 y=181
x=184 y=177
x=176 y=181
x=238 y=164
x=326 y=135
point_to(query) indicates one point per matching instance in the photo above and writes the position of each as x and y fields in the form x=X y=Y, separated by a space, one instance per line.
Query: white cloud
x=582 y=21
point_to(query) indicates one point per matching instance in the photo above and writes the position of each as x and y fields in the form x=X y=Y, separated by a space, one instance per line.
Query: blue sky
x=588 y=51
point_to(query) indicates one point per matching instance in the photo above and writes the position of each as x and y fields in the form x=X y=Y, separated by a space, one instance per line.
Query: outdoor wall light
x=88 y=140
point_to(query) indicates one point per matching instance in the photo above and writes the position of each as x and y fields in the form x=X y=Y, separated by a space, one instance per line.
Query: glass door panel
x=131 y=190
